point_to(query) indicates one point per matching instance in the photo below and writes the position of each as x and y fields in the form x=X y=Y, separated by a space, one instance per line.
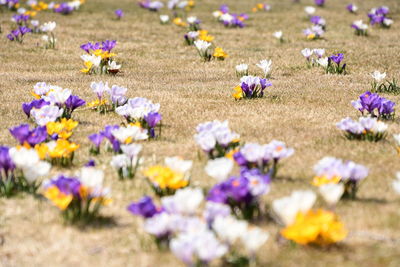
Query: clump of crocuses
x=366 y=128
x=335 y=65
x=330 y=170
x=78 y=198
x=108 y=99
x=207 y=51
x=251 y=87
x=379 y=16
x=128 y=161
x=99 y=58
x=20 y=170
x=384 y=87
x=144 y=112
x=18 y=34
x=265 y=158
x=228 y=19
x=361 y=29
x=216 y=139
x=49 y=38
x=375 y=106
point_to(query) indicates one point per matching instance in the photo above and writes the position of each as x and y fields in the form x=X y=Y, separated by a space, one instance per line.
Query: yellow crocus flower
x=59 y=199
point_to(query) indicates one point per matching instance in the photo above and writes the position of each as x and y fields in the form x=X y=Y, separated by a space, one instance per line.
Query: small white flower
x=120 y=161
x=48 y=26
x=387 y=22
x=307 y=52
x=45 y=38
x=331 y=193
x=278 y=35
x=323 y=61
x=253 y=239
x=201 y=45
x=191 y=19
x=34 y=23
x=286 y=208
x=377 y=76
x=217 y=14
x=266 y=66
x=241 y=68
x=228 y=228
x=178 y=164
x=219 y=168
x=397 y=139
x=164 y=18
x=129 y=134
x=310 y=10
x=184 y=201
x=380 y=127
x=319 y=52
x=91 y=177
x=112 y=65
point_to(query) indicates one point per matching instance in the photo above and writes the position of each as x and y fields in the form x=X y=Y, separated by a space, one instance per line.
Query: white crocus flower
x=242 y=69
x=266 y=66
x=99 y=88
x=178 y=164
x=112 y=65
x=396 y=183
x=331 y=193
x=378 y=77
x=131 y=150
x=286 y=208
x=164 y=18
x=219 y=168
x=58 y=96
x=191 y=19
x=120 y=161
x=310 y=10
x=202 y=46
x=91 y=177
x=48 y=26
x=184 y=201
x=278 y=35
x=35 y=23
x=253 y=239
x=323 y=61
x=387 y=22
x=228 y=228
x=380 y=127
x=307 y=53
x=46 y=114
x=129 y=134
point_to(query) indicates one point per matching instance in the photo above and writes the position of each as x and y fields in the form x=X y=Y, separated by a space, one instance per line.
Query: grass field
x=301 y=109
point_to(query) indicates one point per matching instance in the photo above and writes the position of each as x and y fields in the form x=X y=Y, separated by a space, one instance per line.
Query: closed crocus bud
x=331 y=193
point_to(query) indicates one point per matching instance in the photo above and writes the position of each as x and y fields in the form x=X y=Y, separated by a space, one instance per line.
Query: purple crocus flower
x=90 y=163
x=224 y=9
x=73 y=102
x=86 y=47
x=108 y=45
x=119 y=13
x=64 y=9
x=24 y=135
x=10 y=37
x=37 y=103
x=96 y=139
x=319 y=2
x=218 y=194
x=152 y=119
x=144 y=207
x=24 y=30
x=370 y=101
x=337 y=58
x=67 y=185
x=386 y=107
x=6 y=163
x=351 y=8
x=107 y=134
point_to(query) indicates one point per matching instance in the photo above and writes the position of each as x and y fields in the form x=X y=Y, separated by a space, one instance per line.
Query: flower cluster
x=66 y=8
x=10 y=4
x=52 y=102
x=99 y=58
x=330 y=170
x=333 y=64
x=317 y=30
x=360 y=28
x=207 y=52
x=378 y=16
x=108 y=99
x=166 y=179
x=183 y=5
x=79 y=198
x=318 y=60
x=143 y=112
x=151 y=5
x=242 y=193
x=251 y=87
x=374 y=105
x=365 y=128
x=21 y=170
x=18 y=34
x=197 y=231
x=216 y=138
x=304 y=225
x=261 y=7
x=230 y=19
x=385 y=87
x=352 y=8
x=265 y=158
x=126 y=163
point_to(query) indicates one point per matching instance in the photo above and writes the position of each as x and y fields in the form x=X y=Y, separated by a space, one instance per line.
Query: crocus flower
x=23 y=134
x=46 y=114
x=37 y=104
x=352 y=8
x=73 y=102
x=265 y=66
x=144 y=207
x=96 y=139
x=6 y=163
x=319 y=2
x=119 y=13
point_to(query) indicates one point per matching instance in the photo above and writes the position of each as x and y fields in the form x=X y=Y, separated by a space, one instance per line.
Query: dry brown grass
x=301 y=109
